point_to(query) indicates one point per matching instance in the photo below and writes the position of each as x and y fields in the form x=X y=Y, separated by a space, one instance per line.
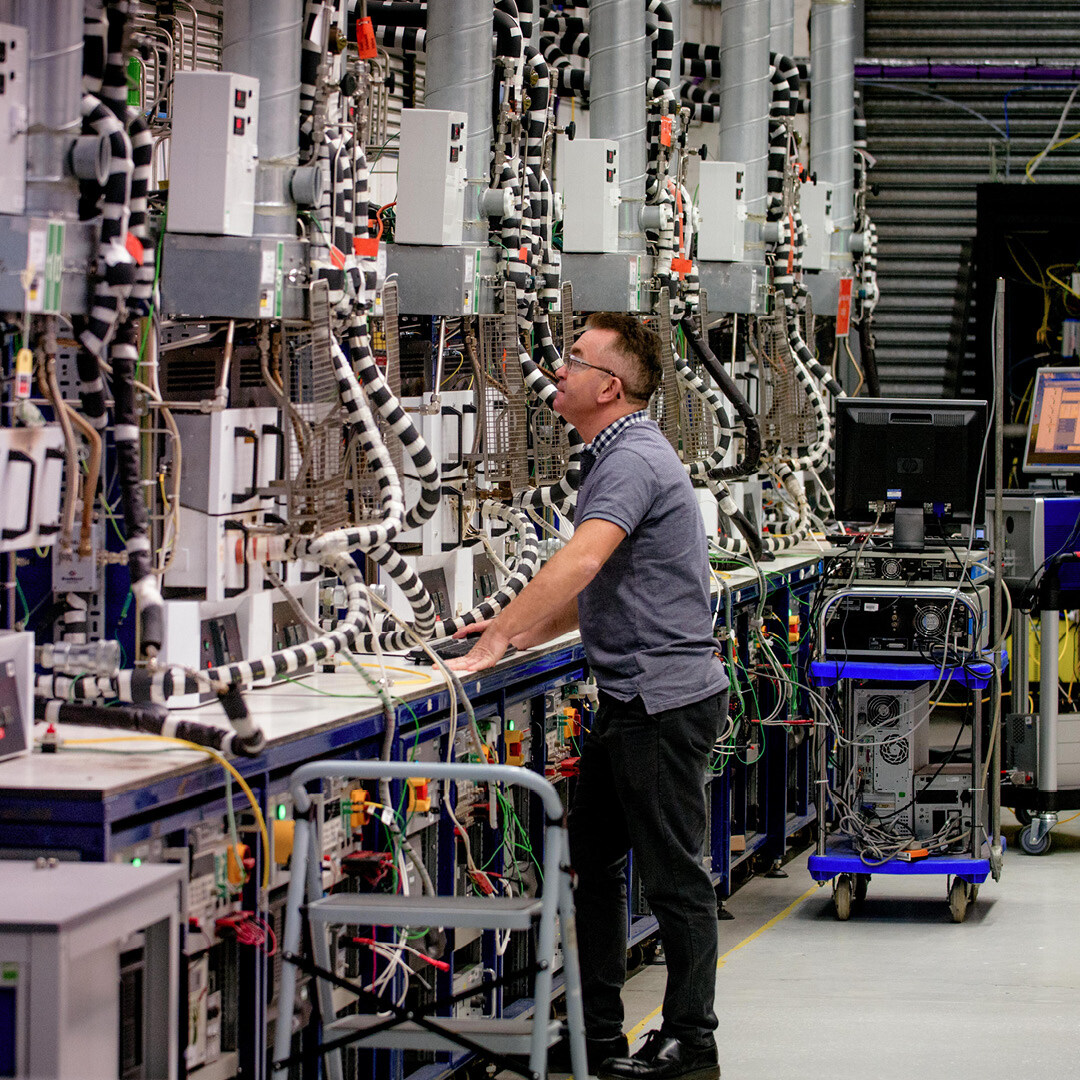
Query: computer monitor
x=911 y=462
x=1053 y=437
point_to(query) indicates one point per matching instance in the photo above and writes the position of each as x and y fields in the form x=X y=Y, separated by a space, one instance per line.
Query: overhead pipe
x=55 y=31
x=618 y=69
x=458 y=77
x=262 y=38
x=745 y=92
x=832 y=109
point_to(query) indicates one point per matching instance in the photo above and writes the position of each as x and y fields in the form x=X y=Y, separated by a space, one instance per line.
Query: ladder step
x=381 y=909
x=498 y=1036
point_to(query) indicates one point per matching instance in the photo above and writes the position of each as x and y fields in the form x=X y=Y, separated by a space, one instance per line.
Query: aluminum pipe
x=618 y=69
x=782 y=27
x=262 y=38
x=832 y=108
x=744 y=99
x=459 y=70
x=55 y=30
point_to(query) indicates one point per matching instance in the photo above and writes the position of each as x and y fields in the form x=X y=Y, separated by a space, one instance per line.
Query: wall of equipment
x=284 y=287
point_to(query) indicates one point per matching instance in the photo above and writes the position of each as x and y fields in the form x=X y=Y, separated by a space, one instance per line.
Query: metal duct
x=782 y=27
x=459 y=69
x=55 y=29
x=262 y=38
x=618 y=68
x=744 y=99
x=675 y=7
x=832 y=108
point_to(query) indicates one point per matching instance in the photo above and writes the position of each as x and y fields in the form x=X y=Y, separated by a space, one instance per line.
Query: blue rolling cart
x=837 y=860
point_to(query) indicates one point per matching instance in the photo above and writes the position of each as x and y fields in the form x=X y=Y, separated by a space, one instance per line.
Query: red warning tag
x=681 y=266
x=665 y=130
x=365 y=38
x=843 y=308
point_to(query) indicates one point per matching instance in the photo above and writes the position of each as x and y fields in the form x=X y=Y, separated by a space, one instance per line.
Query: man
x=635 y=579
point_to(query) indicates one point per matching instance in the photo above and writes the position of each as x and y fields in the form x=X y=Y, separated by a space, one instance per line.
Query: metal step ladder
x=405 y=1028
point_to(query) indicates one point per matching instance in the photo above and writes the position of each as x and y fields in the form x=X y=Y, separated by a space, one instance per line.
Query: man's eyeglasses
x=576 y=362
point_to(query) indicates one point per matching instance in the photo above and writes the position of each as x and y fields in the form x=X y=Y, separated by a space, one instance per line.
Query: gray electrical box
x=815 y=205
x=213 y=153
x=721 y=200
x=89 y=970
x=14 y=87
x=1020 y=737
x=431 y=177
x=589 y=181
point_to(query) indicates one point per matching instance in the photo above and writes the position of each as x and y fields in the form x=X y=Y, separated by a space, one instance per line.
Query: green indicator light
x=11 y=974
x=136 y=862
x=281 y=812
x=509 y=725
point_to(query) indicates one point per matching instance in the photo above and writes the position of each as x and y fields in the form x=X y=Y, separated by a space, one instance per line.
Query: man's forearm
x=562 y=622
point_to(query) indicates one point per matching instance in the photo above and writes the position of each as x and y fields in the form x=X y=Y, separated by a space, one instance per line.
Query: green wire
x=26 y=606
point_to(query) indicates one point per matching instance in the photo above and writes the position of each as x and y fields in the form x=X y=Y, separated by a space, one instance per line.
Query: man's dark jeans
x=642 y=786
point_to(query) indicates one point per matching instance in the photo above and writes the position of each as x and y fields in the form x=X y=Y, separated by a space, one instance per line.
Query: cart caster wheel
x=862 y=883
x=1030 y=846
x=974 y=894
x=843 y=893
x=1022 y=815
x=958 y=899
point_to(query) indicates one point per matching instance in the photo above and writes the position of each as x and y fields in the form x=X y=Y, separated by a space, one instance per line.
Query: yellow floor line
x=637 y=1029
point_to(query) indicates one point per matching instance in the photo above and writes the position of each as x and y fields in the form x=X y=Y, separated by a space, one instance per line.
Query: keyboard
x=447 y=649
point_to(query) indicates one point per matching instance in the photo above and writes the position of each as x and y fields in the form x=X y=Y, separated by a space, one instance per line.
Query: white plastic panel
x=431 y=177
x=815 y=204
x=228 y=458
x=31 y=470
x=588 y=179
x=14 y=88
x=213 y=153
x=722 y=205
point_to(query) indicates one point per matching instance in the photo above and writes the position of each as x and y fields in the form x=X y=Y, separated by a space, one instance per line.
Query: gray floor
x=900 y=991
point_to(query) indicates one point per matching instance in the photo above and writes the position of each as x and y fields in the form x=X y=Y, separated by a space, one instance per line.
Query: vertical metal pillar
x=618 y=68
x=459 y=68
x=744 y=100
x=832 y=110
x=263 y=40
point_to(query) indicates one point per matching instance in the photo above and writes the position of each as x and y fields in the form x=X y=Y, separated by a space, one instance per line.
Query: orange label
x=843 y=308
x=365 y=39
x=135 y=247
x=665 y=130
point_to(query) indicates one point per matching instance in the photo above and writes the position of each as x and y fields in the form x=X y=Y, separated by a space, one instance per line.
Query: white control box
x=31 y=470
x=815 y=205
x=721 y=201
x=211 y=555
x=230 y=457
x=16 y=692
x=213 y=153
x=14 y=88
x=588 y=179
x=448 y=434
x=431 y=177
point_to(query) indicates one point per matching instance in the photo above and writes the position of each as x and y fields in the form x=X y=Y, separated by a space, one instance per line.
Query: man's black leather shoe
x=664 y=1057
x=596 y=1051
